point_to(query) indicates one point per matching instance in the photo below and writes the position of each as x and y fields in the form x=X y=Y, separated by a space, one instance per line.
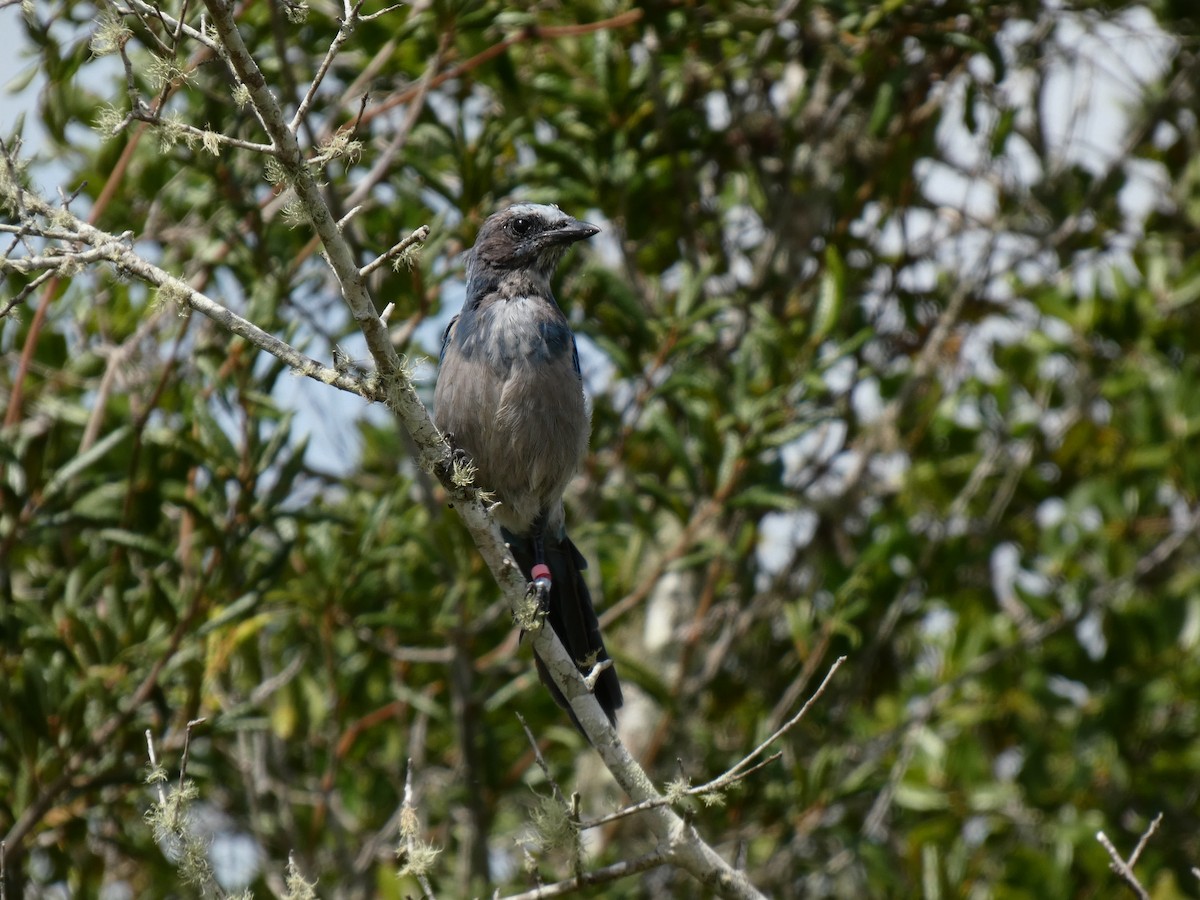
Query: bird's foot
x=458 y=466
x=531 y=615
x=456 y=457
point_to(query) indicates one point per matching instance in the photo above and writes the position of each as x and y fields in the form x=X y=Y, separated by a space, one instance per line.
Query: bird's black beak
x=570 y=232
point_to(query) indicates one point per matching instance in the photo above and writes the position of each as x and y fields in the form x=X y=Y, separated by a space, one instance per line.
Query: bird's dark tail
x=573 y=618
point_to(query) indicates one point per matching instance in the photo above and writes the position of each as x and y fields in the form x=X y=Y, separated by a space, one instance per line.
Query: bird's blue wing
x=575 y=358
x=446 y=341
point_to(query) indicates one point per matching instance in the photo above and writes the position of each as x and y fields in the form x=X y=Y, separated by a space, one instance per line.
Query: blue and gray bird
x=510 y=394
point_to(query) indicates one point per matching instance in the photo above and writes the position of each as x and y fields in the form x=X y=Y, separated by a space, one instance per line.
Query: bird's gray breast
x=522 y=330
x=530 y=442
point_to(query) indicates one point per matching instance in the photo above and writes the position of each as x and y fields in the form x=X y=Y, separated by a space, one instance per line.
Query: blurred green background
x=891 y=336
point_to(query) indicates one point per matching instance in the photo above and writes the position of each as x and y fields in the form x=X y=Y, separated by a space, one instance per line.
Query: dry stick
x=1122 y=868
x=1125 y=868
x=417 y=237
x=19 y=297
x=576 y=845
x=408 y=828
x=347 y=26
x=658 y=857
x=537 y=754
x=740 y=770
x=623 y=813
x=572 y=807
x=175 y=826
x=162 y=794
x=799 y=684
x=737 y=773
x=126 y=259
x=372 y=848
x=183 y=761
x=1145 y=839
x=627 y=811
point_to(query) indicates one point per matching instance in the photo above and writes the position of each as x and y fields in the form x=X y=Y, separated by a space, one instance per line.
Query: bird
x=509 y=395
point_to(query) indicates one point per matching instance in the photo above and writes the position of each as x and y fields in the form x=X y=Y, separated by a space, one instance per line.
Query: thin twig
x=162 y=794
x=113 y=249
x=576 y=844
x=537 y=754
x=187 y=744
x=1145 y=839
x=200 y=36
x=335 y=46
x=623 y=813
x=417 y=237
x=384 y=11
x=1122 y=868
x=732 y=775
x=19 y=297
x=408 y=828
x=203 y=135
x=608 y=874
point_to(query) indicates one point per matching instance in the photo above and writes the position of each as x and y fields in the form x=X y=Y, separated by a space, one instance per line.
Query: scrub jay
x=510 y=394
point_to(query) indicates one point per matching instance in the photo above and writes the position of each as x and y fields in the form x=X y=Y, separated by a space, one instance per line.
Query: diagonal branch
x=679 y=843
x=686 y=848
x=1124 y=867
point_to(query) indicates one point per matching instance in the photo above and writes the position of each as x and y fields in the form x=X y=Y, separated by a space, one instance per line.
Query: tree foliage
x=891 y=337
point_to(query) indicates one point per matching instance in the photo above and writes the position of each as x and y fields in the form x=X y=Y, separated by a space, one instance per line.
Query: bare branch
x=417 y=237
x=1123 y=868
x=183 y=759
x=1144 y=840
x=205 y=137
x=396 y=389
x=20 y=296
x=624 y=869
x=622 y=813
x=537 y=754
x=347 y=28
x=107 y=248
x=383 y=12
x=162 y=794
x=733 y=775
x=176 y=25
x=413 y=848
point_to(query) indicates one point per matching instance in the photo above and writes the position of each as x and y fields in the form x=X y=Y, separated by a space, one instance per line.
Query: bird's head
x=528 y=237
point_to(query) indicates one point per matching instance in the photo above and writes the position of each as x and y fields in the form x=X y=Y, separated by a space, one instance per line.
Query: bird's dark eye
x=521 y=226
